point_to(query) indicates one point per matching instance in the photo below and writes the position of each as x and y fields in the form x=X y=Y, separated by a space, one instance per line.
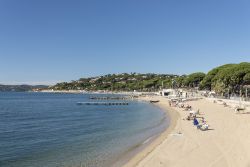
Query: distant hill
x=120 y=82
x=20 y=88
x=228 y=78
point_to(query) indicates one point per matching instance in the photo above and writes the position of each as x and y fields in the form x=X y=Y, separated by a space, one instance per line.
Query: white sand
x=226 y=145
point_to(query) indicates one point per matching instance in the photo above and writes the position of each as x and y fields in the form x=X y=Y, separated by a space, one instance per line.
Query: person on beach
x=189 y=117
x=203 y=126
x=203 y=120
x=187 y=107
x=195 y=122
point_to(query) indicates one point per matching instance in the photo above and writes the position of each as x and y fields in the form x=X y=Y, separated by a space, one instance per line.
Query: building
x=168 y=92
x=173 y=93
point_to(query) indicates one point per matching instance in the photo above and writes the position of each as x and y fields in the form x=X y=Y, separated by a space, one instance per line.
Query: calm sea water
x=49 y=130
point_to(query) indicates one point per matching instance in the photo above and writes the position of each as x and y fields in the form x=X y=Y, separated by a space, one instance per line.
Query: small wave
x=147 y=140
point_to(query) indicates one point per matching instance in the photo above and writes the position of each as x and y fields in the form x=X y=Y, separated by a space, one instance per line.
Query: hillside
x=223 y=79
x=120 y=82
x=20 y=88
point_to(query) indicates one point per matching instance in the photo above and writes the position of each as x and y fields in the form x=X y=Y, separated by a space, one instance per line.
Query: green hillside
x=229 y=77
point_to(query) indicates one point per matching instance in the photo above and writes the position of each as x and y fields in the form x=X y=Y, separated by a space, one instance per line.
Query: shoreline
x=157 y=140
x=225 y=143
x=89 y=92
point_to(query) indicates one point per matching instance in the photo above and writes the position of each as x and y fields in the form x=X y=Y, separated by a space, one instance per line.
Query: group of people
x=175 y=103
x=201 y=123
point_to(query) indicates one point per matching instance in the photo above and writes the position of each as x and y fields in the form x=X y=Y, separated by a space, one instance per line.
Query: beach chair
x=203 y=127
x=200 y=126
x=197 y=112
x=195 y=122
x=238 y=109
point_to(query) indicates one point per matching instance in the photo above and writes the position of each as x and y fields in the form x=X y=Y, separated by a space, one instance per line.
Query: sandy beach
x=225 y=144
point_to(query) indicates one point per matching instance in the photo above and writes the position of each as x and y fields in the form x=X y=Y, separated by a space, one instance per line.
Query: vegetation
x=222 y=79
x=227 y=78
x=131 y=82
x=120 y=82
x=193 y=80
x=21 y=88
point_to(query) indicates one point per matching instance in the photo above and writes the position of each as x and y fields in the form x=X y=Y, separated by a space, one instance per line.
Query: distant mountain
x=21 y=88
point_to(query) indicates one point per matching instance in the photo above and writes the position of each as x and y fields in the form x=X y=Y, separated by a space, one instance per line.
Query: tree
x=246 y=79
x=206 y=83
x=180 y=81
x=194 y=79
x=227 y=77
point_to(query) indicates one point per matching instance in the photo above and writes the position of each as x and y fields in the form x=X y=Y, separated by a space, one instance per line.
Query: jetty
x=102 y=103
x=111 y=98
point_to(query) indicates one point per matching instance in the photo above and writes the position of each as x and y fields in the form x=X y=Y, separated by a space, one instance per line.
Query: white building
x=173 y=93
x=167 y=92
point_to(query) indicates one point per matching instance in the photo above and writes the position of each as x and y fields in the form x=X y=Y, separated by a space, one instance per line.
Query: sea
x=51 y=130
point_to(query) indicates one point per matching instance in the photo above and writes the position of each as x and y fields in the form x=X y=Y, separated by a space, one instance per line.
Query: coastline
x=89 y=92
x=174 y=117
x=225 y=143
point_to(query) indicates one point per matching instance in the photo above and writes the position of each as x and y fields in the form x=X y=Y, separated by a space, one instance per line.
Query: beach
x=225 y=144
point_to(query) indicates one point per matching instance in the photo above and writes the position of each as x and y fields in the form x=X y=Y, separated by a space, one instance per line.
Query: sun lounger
x=195 y=122
x=197 y=112
x=201 y=126
x=238 y=109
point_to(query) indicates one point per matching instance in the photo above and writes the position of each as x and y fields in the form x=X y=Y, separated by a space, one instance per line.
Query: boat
x=154 y=101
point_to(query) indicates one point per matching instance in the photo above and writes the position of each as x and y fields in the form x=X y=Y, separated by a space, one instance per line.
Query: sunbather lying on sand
x=190 y=117
x=187 y=107
x=181 y=105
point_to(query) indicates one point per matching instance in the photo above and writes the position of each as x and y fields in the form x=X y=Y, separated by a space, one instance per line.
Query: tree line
x=226 y=78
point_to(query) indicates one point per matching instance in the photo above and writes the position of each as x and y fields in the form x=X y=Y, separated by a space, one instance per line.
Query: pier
x=110 y=98
x=102 y=103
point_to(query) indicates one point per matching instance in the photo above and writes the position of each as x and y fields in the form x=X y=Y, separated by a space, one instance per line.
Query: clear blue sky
x=61 y=40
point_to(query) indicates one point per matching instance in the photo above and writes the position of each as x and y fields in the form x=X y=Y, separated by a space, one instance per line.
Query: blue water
x=49 y=130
